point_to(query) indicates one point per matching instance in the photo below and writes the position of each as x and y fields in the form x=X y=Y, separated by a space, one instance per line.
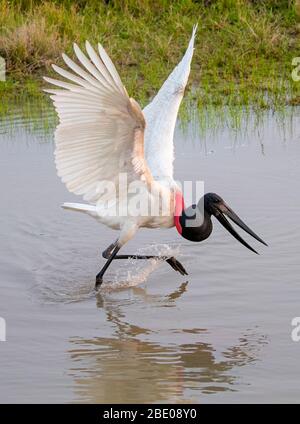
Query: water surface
x=222 y=334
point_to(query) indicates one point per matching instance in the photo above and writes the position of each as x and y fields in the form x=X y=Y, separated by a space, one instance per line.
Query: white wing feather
x=100 y=131
x=161 y=115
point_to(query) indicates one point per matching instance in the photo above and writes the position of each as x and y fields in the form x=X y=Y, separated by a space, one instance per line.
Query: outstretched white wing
x=101 y=130
x=161 y=115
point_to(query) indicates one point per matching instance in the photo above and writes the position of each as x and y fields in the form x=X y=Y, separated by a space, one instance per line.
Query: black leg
x=173 y=262
x=111 y=252
x=108 y=251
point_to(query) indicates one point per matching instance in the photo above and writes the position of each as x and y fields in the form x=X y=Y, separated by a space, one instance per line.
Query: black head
x=212 y=203
x=197 y=225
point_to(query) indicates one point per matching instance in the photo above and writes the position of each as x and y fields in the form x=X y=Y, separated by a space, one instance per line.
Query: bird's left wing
x=101 y=130
x=161 y=116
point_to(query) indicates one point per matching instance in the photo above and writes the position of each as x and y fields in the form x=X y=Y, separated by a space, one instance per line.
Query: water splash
x=53 y=283
x=136 y=271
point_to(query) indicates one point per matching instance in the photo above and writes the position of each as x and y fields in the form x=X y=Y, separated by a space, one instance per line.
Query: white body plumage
x=103 y=133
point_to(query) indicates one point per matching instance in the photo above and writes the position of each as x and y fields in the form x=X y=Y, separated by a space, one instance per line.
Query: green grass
x=243 y=55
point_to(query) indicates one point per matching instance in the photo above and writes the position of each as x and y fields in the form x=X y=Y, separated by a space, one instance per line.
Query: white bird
x=117 y=156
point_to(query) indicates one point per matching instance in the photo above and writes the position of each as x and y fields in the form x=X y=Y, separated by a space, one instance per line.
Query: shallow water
x=222 y=334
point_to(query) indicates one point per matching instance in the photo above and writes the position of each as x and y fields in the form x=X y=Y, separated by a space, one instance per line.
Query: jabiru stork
x=103 y=133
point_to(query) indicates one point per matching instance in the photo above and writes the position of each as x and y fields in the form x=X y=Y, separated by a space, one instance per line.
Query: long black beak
x=223 y=210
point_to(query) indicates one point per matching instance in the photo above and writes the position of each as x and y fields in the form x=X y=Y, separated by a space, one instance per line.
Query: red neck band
x=179 y=207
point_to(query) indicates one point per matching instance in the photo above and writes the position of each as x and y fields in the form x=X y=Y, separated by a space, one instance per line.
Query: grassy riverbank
x=243 y=54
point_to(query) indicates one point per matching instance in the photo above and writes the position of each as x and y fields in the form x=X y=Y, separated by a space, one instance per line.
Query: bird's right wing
x=101 y=130
x=161 y=115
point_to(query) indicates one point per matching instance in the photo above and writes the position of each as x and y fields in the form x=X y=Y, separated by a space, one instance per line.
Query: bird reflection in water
x=138 y=365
